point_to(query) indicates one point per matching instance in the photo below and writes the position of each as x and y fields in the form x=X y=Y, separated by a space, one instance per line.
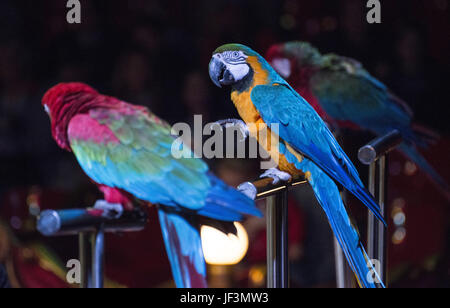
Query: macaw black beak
x=219 y=73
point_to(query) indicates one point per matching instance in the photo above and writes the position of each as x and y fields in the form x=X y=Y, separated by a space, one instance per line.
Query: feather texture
x=126 y=148
x=348 y=96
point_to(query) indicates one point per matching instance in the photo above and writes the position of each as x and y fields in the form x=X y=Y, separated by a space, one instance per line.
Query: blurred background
x=156 y=53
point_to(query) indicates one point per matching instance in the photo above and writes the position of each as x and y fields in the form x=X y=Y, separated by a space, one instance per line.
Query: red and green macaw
x=126 y=150
x=306 y=145
x=347 y=96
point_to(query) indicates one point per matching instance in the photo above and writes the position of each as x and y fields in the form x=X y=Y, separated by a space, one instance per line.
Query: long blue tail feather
x=329 y=198
x=184 y=249
x=182 y=237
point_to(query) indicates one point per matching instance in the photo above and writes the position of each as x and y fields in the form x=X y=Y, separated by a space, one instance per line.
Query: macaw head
x=61 y=103
x=292 y=58
x=237 y=65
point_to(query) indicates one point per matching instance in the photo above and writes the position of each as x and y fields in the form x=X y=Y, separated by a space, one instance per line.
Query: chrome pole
x=339 y=264
x=85 y=261
x=276 y=196
x=271 y=241
x=98 y=248
x=371 y=219
x=277 y=240
x=375 y=154
x=382 y=234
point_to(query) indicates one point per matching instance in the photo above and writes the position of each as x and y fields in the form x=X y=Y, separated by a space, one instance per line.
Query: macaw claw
x=243 y=128
x=248 y=189
x=276 y=175
x=110 y=210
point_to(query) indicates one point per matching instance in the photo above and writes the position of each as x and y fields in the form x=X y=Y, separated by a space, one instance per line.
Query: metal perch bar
x=74 y=221
x=379 y=147
x=90 y=226
x=277 y=228
x=375 y=154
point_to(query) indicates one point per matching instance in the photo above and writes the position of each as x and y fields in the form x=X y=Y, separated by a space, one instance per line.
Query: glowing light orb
x=222 y=249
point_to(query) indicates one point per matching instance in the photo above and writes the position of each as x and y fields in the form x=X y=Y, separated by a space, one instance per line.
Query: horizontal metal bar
x=379 y=147
x=265 y=187
x=73 y=221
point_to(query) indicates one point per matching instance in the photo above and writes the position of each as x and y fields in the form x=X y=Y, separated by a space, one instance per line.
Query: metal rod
x=73 y=221
x=271 y=241
x=85 y=260
x=376 y=232
x=382 y=234
x=98 y=248
x=375 y=154
x=339 y=264
x=276 y=196
x=277 y=240
x=371 y=219
x=90 y=225
x=378 y=147
x=265 y=187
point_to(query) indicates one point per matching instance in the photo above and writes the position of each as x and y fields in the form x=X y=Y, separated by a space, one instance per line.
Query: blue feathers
x=184 y=249
x=329 y=198
x=303 y=129
x=229 y=199
x=144 y=167
x=182 y=239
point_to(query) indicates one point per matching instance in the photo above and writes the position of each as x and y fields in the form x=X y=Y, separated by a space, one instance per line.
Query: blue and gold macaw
x=127 y=151
x=306 y=146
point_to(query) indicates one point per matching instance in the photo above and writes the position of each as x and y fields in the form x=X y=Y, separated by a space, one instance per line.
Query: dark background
x=156 y=53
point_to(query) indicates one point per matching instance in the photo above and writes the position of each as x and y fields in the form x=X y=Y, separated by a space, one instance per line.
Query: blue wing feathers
x=307 y=133
x=184 y=249
x=142 y=165
x=329 y=198
x=222 y=195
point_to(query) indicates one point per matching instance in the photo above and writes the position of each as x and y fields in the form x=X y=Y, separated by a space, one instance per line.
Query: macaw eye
x=235 y=54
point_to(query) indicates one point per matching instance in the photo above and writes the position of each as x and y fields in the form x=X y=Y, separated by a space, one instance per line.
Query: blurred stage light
x=399 y=219
x=398 y=214
x=257 y=275
x=222 y=249
x=410 y=168
x=399 y=236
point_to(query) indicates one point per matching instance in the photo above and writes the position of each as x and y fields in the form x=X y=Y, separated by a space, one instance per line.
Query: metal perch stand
x=374 y=154
x=277 y=229
x=277 y=210
x=90 y=226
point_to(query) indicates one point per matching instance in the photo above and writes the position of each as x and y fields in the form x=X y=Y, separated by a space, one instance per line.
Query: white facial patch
x=46 y=109
x=239 y=71
x=236 y=63
x=282 y=66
